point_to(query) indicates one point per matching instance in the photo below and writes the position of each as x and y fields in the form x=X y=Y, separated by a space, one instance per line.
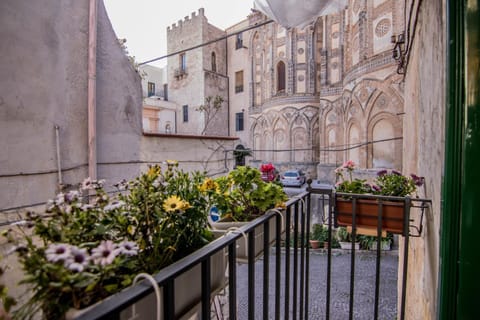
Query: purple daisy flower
x=105 y=253
x=396 y=172
x=382 y=173
x=57 y=252
x=78 y=259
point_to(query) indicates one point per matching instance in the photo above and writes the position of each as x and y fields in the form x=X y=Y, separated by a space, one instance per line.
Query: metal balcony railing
x=279 y=282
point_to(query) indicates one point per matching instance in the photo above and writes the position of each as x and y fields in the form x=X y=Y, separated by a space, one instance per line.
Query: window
x=239 y=81
x=183 y=62
x=151 y=89
x=239 y=42
x=214 y=62
x=280 y=76
x=239 y=121
x=185 y=113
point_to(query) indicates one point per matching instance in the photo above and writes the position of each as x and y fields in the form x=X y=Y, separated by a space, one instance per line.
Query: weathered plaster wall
x=192 y=152
x=423 y=153
x=44 y=84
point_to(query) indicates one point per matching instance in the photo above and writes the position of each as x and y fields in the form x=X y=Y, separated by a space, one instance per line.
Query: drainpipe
x=92 y=88
x=59 y=164
x=228 y=87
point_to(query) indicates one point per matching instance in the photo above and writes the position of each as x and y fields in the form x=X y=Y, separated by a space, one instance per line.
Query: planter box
x=242 y=243
x=385 y=246
x=348 y=245
x=393 y=214
x=188 y=294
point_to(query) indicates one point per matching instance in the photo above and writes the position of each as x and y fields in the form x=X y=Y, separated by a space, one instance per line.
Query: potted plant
x=92 y=245
x=344 y=238
x=392 y=184
x=318 y=236
x=242 y=196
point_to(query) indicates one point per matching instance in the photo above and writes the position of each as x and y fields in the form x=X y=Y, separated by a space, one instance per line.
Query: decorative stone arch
x=387 y=154
x=315 y=137
x=354 y=137
x=280 y=139
x=299 y=142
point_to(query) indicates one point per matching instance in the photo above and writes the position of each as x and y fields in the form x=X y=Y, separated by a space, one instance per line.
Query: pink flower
x=349 y=165
x=58 y=252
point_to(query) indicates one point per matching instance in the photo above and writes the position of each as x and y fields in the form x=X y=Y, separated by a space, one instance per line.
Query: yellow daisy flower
x=173 y=203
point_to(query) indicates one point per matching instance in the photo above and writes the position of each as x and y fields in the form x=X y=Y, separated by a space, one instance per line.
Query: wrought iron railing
x=281 y=278
x=294 y=280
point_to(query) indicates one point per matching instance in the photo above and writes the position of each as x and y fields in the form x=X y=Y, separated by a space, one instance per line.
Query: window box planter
x=242 y=243
x=188 y=294
x=348 y=245
x=394 y=210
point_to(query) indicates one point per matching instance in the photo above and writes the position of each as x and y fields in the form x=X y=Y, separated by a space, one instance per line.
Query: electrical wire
x=207 y=43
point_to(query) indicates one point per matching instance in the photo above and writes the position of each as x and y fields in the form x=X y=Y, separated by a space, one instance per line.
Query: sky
x=144 y=22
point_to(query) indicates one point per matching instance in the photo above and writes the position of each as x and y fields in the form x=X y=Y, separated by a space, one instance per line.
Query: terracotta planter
x=314 y=244
x=242 y=243
x=188 y=294
x=393 y=214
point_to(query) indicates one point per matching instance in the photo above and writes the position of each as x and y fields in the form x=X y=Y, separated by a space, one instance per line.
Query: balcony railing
x=281 y=277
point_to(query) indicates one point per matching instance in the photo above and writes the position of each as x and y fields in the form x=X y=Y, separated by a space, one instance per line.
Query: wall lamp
x=398 y=52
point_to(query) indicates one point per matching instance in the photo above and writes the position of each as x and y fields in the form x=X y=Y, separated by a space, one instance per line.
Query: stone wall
x=423 y=152
x=44 y=86
x=208 y=154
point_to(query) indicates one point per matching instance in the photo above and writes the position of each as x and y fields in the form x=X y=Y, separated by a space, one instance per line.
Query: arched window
x=214 y=62
x=280 y=76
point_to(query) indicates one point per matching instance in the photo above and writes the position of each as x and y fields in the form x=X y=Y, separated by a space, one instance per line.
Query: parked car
x=293 y=178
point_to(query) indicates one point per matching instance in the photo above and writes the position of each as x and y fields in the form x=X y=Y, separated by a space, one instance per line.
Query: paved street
x=364 y=287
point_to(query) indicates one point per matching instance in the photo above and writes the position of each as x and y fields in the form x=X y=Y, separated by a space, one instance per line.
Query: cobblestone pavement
x=340 y=290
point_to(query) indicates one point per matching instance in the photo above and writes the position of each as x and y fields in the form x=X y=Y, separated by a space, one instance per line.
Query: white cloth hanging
x=298 y=13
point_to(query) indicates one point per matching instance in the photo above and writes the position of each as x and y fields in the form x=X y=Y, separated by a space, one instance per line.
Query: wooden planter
x=188 y=294
x=393 y=214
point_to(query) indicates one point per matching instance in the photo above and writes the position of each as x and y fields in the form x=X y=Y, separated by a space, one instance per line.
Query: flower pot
x=242 y=243
x=188 y=294
x=393 y=214
x=348 y=245
x=314 y=244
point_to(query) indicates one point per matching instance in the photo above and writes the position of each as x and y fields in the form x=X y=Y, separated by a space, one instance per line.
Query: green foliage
x=319 y=232
x=93 y=246
x=393 y=184
x=343 y=235
x=366 y=242
x=243 y=196
x=386 y=183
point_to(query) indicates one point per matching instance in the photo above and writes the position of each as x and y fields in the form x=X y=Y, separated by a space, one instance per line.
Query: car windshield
x=291 y=174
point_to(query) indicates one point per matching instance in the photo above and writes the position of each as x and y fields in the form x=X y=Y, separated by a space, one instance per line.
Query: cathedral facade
x=314 y=97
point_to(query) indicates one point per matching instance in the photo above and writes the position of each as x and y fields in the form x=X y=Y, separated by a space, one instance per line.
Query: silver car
x=293 y=178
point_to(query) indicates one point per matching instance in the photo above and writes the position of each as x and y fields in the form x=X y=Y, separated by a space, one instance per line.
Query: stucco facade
x=44 y=87
x=197 y=74
x=424 y=151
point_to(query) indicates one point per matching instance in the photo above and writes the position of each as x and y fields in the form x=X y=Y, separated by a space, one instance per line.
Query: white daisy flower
x=105 y=253
x=57 y=252
x=78 y=259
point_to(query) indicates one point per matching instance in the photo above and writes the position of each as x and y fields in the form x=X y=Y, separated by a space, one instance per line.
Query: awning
x=298 y=13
